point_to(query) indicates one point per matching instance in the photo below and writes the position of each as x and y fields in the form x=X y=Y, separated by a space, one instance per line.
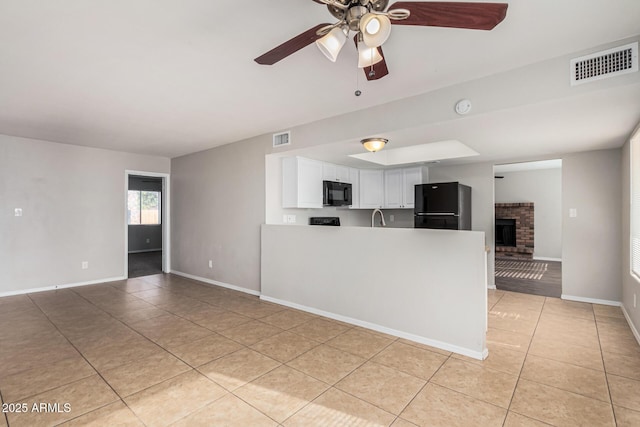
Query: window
x=635 y=203
x=143 y=208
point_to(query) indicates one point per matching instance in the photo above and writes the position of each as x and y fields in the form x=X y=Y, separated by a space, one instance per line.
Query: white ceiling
x=170 y=78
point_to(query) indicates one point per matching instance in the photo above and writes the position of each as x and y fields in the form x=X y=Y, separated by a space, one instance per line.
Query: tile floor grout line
x=606 y=375
x=524 y=362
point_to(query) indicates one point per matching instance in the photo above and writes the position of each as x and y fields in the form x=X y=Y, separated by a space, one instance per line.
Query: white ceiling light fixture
x=331 y=44
x=375 y=29
x=374 y=144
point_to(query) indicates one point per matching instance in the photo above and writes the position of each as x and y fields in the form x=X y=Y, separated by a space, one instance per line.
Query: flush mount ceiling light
x=374 y=144
x=371 y=22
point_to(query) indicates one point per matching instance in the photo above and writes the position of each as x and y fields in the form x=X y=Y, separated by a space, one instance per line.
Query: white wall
x=479 y=177
x=591 y=242
x=406 y=282
x=217 y=206
x=73 y=201
x=543 y=188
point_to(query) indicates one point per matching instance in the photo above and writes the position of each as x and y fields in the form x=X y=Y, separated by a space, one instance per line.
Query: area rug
x=521 y=269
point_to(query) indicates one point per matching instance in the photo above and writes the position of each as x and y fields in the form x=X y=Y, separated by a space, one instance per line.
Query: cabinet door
x=371 y=189
x=354 y=179
x=328 y=172
x=342 y=174
x=393 y=188
x=411 y=178
x=309 y=183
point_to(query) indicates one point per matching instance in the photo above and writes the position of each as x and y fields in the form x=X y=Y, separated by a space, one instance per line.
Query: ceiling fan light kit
x=371 y=20
x=375 y=29
x=331 y=44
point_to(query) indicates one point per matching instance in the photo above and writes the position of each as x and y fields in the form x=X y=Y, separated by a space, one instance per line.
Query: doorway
x=528 y=227
x=146 y=224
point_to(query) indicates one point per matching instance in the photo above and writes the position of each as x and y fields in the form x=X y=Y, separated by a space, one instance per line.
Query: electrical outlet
x=148 y=240
x=18 y=212
x=291 y=219
x=392 y=218
x=85 y=265
x=573 y=213
x=210 y=263
x=285 y=219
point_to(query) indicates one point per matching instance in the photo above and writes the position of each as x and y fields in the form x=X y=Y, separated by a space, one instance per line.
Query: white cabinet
x=399 y=187
x=354 y=179
x=331 y=172
x=301 y=183
x=371 y=189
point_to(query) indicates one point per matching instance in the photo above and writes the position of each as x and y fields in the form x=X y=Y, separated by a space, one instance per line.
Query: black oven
x=336 y=193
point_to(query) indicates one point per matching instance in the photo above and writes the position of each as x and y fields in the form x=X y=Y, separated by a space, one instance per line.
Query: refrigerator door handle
x=440 y=214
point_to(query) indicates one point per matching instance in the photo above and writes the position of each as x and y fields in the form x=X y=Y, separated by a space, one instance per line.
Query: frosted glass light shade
x=331 y=44
x=375 y=29
x=368 y=56
x=374 y=144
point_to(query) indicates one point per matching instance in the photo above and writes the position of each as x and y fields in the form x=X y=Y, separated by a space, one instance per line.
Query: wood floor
x=548 y=285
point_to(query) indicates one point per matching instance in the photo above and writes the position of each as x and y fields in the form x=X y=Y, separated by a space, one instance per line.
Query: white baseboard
x=433 y=343
x=145 y=250
x=591 y=300
x=216 y=283
x=544 y=258
x=54 y=287
x=491 y=287
x=631 y=325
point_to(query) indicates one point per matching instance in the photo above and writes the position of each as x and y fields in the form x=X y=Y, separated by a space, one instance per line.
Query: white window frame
x=634 y=201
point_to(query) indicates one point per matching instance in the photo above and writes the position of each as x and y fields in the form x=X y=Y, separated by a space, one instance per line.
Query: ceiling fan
x=372 y=25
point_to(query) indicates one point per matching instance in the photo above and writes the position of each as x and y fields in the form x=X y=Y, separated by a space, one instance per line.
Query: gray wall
x=479 y=177
x=73 y=201
x=543 y=188
x=145 y=237
x=591 y=242
x=630 y=285
x=217 y=207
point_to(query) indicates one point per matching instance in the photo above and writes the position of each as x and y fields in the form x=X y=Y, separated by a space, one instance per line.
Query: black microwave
x=336 y=193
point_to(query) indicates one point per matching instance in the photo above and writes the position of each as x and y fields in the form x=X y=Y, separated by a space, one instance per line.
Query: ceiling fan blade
x=290 y=46
x=379 y=69
x=475 y=16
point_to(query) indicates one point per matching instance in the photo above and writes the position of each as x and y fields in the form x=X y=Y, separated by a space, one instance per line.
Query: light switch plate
x=18 y=212
x=291 y=219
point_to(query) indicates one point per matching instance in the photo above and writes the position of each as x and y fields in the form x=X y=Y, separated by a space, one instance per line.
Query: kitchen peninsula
x=424 y=285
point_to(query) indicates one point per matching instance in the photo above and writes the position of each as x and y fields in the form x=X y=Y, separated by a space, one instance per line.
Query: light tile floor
x=164 y=350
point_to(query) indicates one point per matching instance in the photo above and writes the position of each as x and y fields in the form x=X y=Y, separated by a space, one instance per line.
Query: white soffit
x=430 y=152
x=529 y=166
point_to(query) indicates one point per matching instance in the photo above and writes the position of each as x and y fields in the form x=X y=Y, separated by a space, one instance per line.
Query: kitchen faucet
x=373 y=214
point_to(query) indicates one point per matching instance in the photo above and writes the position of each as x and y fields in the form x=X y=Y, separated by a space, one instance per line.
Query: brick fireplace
x=514 y=230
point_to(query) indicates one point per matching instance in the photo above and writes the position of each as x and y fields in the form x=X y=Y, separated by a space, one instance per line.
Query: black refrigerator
x=444 y=205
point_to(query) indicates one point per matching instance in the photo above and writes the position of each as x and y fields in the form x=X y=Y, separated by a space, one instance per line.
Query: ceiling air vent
x=282 y=138
x=605 y=64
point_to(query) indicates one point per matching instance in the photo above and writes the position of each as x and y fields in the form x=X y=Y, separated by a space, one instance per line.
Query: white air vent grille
x=282 y=138
x=605 y=64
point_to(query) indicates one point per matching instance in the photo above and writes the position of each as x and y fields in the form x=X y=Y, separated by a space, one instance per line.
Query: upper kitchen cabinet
x=354 y=179
x=301 y=183
x=399 y=185
x=371 y=188
x=331 y=172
